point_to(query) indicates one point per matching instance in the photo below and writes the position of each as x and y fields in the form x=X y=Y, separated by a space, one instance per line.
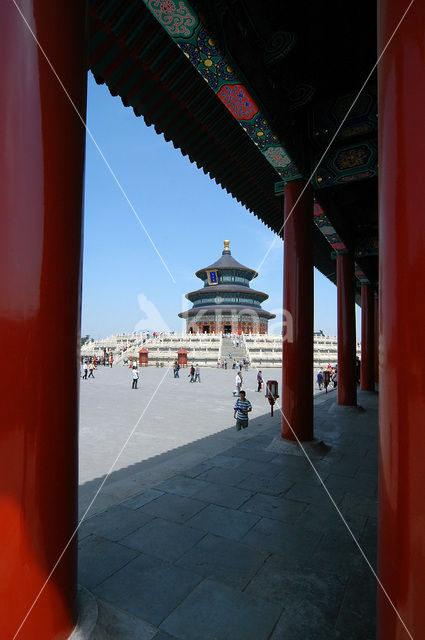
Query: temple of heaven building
x=226 y=303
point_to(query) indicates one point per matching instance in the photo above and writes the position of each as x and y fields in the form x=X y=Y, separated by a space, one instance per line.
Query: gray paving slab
x=99 y=559
x=115 y=623
x=163 y=539
x=226 y=462
x=259 y=468
x=360 y=504
x=228 y=561
x=115 y=523
x=214 y=611
x=326 y=518
x=252 y=453
x=164 y=636
x=306 y=492
x=194 y=472
x=223 y=521
x=173 y=507
x=307 y=622
x=358 y=485
x=182 y=486
x=142 y=498
x=282 y=539
x=224 y=476
x=275 y=486
x=148 y=588
x=278 y=508
x=223 y=495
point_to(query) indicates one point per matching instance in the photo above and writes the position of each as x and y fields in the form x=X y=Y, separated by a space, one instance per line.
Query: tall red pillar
x=346 y=290
x=367 y=371
x=41 y=192
x=401 y=559
x=297 y=369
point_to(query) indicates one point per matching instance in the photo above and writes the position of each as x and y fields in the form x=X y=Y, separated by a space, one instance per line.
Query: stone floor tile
x=223 y=522
x=271 y=486
x=226 y=461
x=182 y=486
x=223 y=495
x=292 y=587
x=163 y=539
x=102 y=502
x=357 y=485
x=326 y=518
x=142 y=498
x=273 y=507
x=359 y=504
x=194 y=472
x=115 y=624
x=282 y=539
x=260 y=468
x=173 y=507
x=327 y=466
x=217 y=612
x=352 y=626
x=308 y=622
x=164 y=636
x=228 y=561
x=148 y=588
x=224 y=476
x=250 y=453
x=115 y=523
x=98 y=559
x=313 y=494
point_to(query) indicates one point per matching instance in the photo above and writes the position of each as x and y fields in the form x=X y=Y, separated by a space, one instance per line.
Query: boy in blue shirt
x=241 y=410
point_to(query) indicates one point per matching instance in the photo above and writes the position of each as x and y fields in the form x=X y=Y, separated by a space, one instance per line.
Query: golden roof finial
x=226 y=245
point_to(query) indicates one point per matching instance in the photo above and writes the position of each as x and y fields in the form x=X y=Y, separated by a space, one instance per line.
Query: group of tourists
x=87 y=368
x=195 y=373
x=326 y=376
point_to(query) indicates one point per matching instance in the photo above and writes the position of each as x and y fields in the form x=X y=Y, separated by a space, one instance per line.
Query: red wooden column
x=401 y=560
x=346 y=289
x=297 y=370
x=41 y=191
x=367 y=371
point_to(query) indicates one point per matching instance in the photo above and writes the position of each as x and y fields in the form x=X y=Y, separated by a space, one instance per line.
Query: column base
x=87 y=615
x=313 y=448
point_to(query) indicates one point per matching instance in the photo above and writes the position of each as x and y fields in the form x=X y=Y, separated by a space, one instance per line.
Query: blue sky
x=187 y=215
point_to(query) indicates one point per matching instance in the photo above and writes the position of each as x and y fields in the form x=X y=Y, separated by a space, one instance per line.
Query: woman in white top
x=238 y=383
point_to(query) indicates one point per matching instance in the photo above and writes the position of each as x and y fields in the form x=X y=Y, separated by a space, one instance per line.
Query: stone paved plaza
x=206 y=533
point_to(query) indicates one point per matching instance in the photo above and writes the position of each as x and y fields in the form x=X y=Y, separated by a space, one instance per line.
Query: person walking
x=335 y=378
x=238 y=384
x=241 y=409
x=259 y=381
x=192 y=374
x=197 y=374
x=176 y=368
x=91 y=368
x=85 y=370
x=135 y=376
x=326 y=379
x=320 y=379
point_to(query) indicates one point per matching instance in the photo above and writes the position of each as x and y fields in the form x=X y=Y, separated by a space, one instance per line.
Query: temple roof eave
x=222 y=288
x=190 y=313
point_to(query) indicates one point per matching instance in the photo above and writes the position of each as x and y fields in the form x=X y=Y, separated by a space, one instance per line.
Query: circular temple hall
x=226 y=303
